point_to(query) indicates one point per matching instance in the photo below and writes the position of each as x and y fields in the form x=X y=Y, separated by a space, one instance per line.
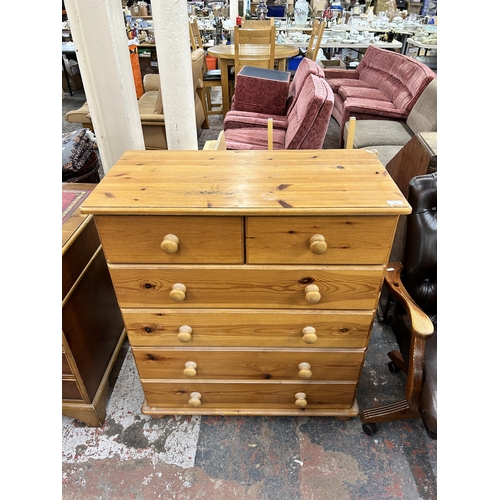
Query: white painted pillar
x=176 y=76
x=233 y=10
x=98 y=31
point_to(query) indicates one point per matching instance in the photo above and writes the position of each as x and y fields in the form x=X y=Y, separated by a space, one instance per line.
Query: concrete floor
x=248 y=458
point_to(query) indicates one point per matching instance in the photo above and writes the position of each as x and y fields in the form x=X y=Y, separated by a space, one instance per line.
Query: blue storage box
x=276 y=11
x=294 y=62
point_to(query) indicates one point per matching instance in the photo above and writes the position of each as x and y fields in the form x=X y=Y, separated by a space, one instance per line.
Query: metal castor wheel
x=392 y=367
x=369 y=429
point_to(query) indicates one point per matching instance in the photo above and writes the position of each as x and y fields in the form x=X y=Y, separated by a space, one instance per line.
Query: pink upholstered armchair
x=246 y=119
x=307 y=122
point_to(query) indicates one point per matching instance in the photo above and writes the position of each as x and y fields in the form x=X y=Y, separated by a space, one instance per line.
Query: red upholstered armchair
x=306 y=126
x=237 y=118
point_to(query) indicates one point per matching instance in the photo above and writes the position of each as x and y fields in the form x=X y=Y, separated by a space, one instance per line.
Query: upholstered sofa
x=388 y=137
x=384 y=86
x=151 y=107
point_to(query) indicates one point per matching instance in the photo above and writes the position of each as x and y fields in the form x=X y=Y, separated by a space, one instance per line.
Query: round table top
x=227 y=51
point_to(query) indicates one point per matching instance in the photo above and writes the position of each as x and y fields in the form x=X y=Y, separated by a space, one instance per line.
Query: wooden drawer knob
x=309 y=335
x=170 y=243
x=300 y=400
x=305 y=370
x=178 y=292
x=317 y=243
x=194 y=399
x=312 y=294
x=190 y=369
x=184 y=334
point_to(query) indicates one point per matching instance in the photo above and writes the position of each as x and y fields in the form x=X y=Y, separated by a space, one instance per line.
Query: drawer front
x=203 y=240
x=250 y=328
x=66 y=369
x=70 y=390
x=77 y=255
x=248 y=286
x=249 y=396
x=342 y=240
x=245 y=364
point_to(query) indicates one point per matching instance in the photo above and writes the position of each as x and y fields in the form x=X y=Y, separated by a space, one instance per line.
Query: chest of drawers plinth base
x=248 y=280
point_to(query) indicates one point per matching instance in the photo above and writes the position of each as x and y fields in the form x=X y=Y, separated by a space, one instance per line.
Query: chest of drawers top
x=247 y=183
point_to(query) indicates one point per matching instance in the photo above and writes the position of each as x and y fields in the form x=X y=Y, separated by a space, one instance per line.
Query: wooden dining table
x=225 y=55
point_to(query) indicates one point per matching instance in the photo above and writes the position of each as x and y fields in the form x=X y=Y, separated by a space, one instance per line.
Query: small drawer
x=247 y=328
x=272 y=287
x=319 y=240
x=70 y=390
x=190 y=239
x=251 y=397
x=245 y=364
x=66 y=369
x=78 y=254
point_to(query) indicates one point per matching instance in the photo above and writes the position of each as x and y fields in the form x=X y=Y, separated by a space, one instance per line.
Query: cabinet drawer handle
x=300 y=400
x=170 y=243
x=317 y=243
x=178 y=292
x=309 y=335
x=312 y=294
x=305 y=370
x=194 y=399
x=184 y=334
x=190 y=369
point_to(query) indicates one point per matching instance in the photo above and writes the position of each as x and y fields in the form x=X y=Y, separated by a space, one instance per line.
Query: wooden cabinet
x=248 y=280
x=92 y=326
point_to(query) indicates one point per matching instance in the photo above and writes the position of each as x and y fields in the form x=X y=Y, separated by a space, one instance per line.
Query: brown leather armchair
x=151 y=107
x=414 y=318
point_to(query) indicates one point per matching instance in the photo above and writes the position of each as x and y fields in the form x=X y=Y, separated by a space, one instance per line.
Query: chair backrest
x=257 y=23
x=308 y=121
x=304 y=69
x=196 y=41
x=254 y=47
x=423 y=116
x=315 y=40
x=420 y=258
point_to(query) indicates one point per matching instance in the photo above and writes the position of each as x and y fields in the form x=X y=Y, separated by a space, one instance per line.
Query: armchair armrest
x=422 y=329
x=152 y=119
x=331 y=73
x=422 y=326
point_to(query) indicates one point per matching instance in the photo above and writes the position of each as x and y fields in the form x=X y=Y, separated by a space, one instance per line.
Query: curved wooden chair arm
x=422 y=330
x=421 y=324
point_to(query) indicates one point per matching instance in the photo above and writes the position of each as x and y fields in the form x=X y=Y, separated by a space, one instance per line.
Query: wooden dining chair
x=257 y=23
x=210 y=78
x=254 y=47
x=315 y=40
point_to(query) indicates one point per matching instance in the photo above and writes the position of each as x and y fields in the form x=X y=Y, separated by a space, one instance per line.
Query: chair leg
x=201 y=95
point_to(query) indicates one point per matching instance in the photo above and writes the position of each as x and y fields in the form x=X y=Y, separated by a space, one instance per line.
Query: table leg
x=282 y=64
x=225 y=85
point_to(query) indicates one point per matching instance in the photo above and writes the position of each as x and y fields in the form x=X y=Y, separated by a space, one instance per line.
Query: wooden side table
x=92 y=326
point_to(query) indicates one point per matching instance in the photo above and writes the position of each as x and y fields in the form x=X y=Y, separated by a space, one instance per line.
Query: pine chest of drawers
x=248 y=280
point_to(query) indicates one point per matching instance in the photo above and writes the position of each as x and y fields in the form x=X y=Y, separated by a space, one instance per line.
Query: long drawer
x=202 y=240
x=171 y=395
x=319 y=240
x=247 y=364
x=263 y=287
x=246 y=327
